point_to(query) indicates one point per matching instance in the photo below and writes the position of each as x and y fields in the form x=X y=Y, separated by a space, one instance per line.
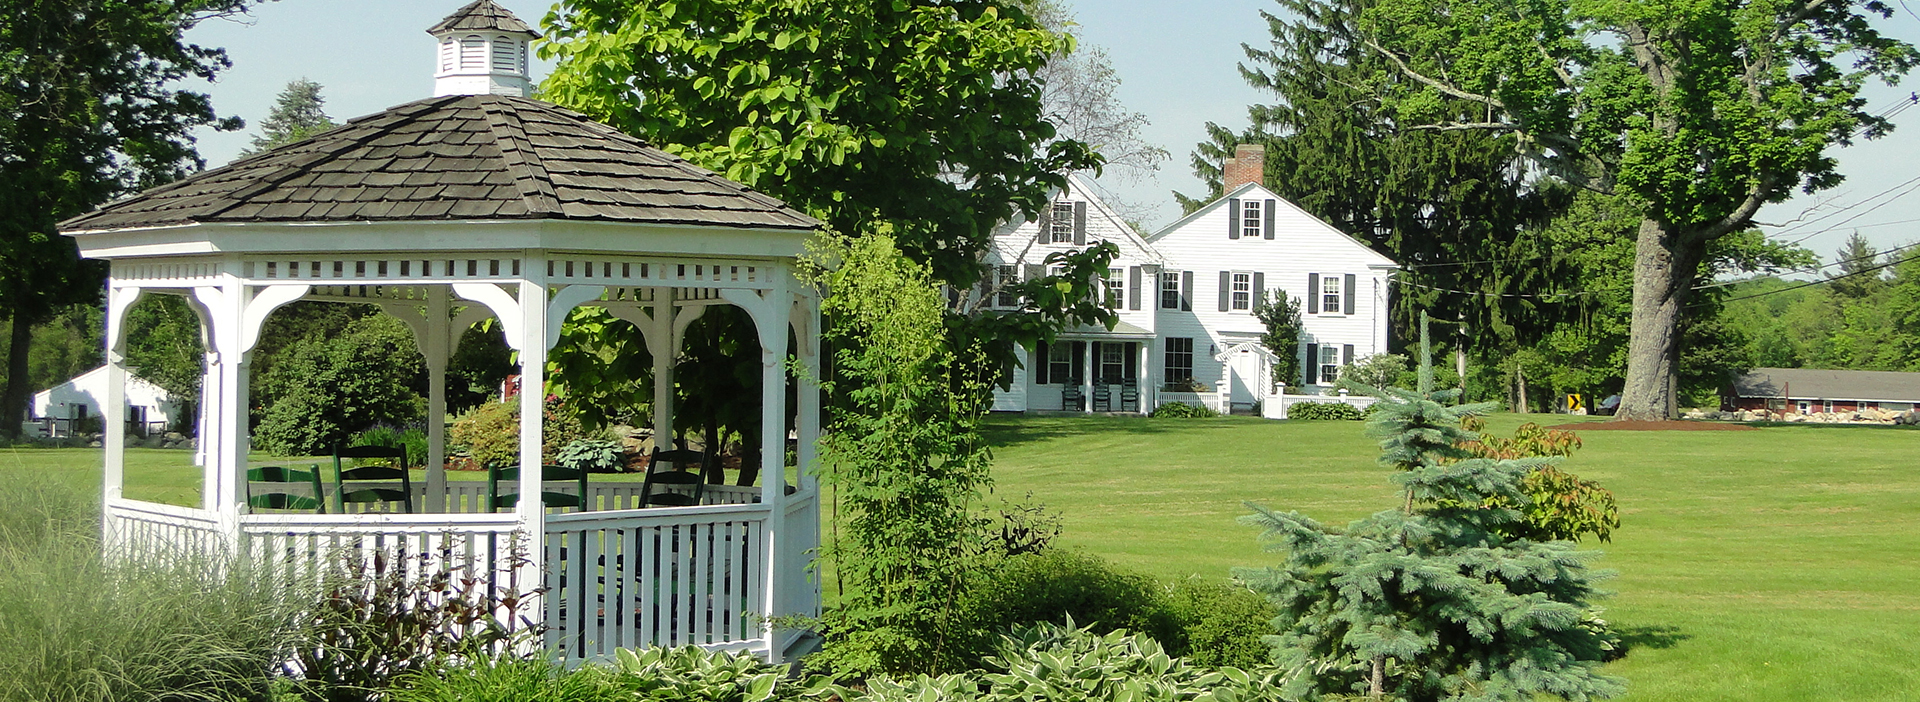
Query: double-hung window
x=1170 y=290
x=1113 y=362
x=1061 y=225
x=1060 y=363
x=1242 y=291
x=1251 y=226
x=1006 y=298
x=1179 y=371
x=1329 y=364
x=1116 y=288
x=1330 y=293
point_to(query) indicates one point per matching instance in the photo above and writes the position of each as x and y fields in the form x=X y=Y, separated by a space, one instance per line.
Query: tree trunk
x=13 y=399
x=1377 y=687
x=1664 y=266
x=1520 y=375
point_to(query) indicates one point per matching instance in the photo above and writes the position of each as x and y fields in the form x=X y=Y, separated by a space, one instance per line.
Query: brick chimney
x=1249 y=165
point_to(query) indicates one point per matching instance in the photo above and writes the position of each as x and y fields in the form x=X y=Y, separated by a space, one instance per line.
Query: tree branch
x=1430 y=82
x=1742 y=216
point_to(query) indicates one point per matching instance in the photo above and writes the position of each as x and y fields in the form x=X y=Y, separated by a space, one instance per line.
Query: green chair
x=387 y=473
x=673 y=475
x=281 y=499
x=548 y=473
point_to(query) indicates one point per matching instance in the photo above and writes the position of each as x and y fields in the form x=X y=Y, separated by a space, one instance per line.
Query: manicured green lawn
x=1778 y=564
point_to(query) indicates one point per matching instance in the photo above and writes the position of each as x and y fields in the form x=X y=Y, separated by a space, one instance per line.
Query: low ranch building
x=1811 y=391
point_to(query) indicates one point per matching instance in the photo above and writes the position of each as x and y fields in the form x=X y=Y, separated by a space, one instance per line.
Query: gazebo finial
x=483 y=51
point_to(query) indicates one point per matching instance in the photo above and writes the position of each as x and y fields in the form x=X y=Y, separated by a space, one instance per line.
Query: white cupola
x=483 y=51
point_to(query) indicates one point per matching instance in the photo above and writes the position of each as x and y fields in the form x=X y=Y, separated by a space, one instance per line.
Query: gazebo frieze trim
x=443 y=268
x=441 y=237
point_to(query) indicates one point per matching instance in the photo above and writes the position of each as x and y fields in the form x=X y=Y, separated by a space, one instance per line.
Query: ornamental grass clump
x=1433 y=600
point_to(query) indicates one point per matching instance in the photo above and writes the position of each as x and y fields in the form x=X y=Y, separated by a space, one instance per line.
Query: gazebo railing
x=303 y=549
x=670 y=576
x=136 y=529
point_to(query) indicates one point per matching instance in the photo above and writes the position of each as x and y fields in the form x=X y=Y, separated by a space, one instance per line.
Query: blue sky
x=1176 y=60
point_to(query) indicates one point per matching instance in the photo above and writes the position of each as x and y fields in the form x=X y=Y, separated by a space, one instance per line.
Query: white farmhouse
x=57 y=410
x=1185 y=297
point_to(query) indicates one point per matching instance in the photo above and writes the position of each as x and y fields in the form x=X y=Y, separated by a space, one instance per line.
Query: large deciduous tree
x=1697 y=114
x=89 y=109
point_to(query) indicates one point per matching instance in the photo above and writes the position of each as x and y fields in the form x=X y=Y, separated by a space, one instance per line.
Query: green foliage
x=1281 y=316
x=413 y=439
x=1182 y=410
x=65 y=346
x=322 y=391
x=1222 y=623
x=602 y=366
x=490 y=432
x=1055 y=662
x=384 y=621
x=91 y=110
x=1061 y=587
x=694 y=673
x=592 y=455
x=1430 y=600
x=902 y=457
x=1323 y=411
x=1558 y=505
x=1378 y=370
x=1875 y=326
x=298 y=112
x=920 y=119
x=482 y=361
x=510 y=679
x=75 y=629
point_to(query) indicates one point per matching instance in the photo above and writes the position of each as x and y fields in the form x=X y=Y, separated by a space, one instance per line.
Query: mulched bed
x=1670 y=425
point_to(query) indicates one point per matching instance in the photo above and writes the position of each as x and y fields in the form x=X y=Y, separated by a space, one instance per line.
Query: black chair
x=548 y=473
x=387 y=473
x=1103 y=397
x=674 y=475
x=281 y=499
x=1130 y=396
x=1073 y=398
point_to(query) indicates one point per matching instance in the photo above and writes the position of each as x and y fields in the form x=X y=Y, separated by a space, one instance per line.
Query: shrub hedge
x=1316 y=411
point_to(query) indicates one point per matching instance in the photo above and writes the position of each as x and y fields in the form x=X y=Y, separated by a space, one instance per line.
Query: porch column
x=533 y=397
x=807 y=415
x=1087 y=375
x=226 y=413
x=773 y=325
x=114 y=436
x=439 y=346
x=1149 y=390
x=662 y=344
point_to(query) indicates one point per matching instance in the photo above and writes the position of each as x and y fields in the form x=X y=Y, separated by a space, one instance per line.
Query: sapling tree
x=1431 y=600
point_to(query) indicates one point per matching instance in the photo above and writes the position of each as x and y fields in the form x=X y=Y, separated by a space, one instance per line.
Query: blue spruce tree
x=1430 y=601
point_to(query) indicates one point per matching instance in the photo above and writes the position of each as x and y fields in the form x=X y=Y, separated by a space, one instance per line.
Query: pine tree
x=297 y=114
x=1855 y=276
x=1430 y=601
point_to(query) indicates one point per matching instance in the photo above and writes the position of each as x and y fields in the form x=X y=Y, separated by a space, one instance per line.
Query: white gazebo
x=446 y=212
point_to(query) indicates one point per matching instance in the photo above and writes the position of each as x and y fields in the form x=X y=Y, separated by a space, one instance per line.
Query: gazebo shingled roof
x=482 y=15
x=461 y=157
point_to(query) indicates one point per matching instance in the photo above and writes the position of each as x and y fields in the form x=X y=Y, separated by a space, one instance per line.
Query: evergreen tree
x=1430 y=601
x=1281 y=315
x=297 y=113
x=1858 y=272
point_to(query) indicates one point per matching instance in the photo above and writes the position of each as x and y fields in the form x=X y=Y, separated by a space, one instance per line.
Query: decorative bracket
x=504 y=306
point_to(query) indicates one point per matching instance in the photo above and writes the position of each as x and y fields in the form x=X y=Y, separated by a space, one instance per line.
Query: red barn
x=1815 y=391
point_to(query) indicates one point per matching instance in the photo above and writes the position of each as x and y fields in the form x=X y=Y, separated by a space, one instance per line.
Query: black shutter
x=1036 y=272
x=1311 y=369
x=1133 y=287
x=1045 y=235
x=1269 y=220
x=1346 y=354
x=1132 y=367
x=1259 y=289
x=1349 y=295
x=1080 y=223
x=1041 y=357
x=1079 y=362
x=1226 y=290
x=1233 y=218
x=1313 y=293
x=1186 y=291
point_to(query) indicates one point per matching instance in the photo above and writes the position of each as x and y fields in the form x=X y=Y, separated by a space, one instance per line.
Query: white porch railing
x=136 y=529
x=669 y=576
x=303 y=548
x=471 y=495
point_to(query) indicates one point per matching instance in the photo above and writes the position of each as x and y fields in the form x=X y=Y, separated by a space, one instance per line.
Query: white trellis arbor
x=445 y=212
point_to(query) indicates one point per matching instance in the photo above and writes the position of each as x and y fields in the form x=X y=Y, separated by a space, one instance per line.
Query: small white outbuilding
x=66 y=408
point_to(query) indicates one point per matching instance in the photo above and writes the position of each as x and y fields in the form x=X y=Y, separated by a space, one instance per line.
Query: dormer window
x=1060 y=227
x=1252 y=225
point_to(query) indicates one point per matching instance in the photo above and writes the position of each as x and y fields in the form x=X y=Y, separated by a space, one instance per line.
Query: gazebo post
x=533 y=400
x=662 y=344
x=807 y=415
x=226 y=467
x=438 y=349
x=771 y=320
x=113 y=434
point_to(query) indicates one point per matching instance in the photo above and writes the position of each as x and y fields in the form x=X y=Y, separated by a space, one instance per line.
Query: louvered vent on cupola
x=483 y=51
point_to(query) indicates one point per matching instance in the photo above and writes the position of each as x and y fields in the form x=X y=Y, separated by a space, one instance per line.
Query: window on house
x=1170 y=290
x=1242 y=291
x=1329 y=364
x=1008 y=276
x=1250 y=213
x=1060 y=363
x=1826 y=406
x=1869 y=405
x=1113 y=362
x=1330 y=293
x=1179 y=370
x=1062 y=223
x=1804 y=407
x=1116 y=288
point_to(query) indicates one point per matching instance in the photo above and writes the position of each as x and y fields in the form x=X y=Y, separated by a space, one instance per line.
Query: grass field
x=1779 y=564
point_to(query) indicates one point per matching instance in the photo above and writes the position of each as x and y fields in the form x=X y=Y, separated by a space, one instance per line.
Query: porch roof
x=458 y=157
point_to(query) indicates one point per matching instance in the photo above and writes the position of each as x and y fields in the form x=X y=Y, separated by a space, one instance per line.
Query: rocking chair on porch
x=342 y=495
x=673 y=475
x=548 y=473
